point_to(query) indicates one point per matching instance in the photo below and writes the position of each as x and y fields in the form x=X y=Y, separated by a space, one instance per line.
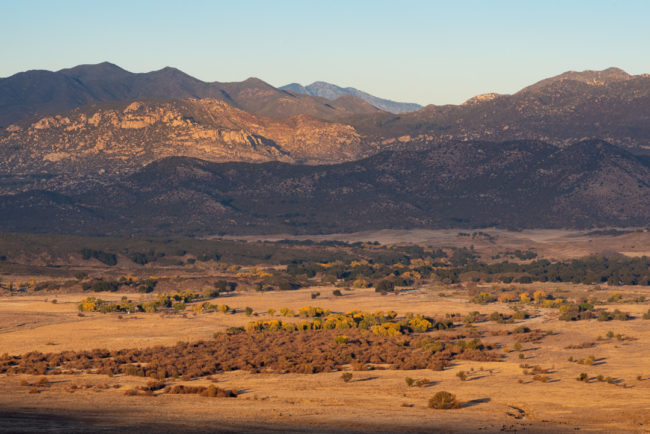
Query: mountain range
x=173 y=154
x=332 y=92
x=512 y=185
x=611 y=105
x=32 y=93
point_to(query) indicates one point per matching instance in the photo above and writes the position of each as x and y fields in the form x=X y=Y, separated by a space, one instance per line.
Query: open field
x=551 y=243
x=371 y=400
x=513 y=366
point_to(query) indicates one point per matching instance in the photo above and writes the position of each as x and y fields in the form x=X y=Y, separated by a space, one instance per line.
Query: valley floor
x=497 y=396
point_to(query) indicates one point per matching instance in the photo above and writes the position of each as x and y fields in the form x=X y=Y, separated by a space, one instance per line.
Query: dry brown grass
x=374 y=399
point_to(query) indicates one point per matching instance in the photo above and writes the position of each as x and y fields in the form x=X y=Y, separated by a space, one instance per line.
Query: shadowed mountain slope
x=475 y=184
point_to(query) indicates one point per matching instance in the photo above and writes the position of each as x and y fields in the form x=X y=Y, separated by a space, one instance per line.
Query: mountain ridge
x=332 y=92
x=104 y=141
x=611 y=105
x=513 y=185
x=39 y=92
x=559 y=110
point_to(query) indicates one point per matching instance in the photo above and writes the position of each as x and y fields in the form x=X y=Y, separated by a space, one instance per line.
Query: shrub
x=347 y=376
x=615 y=297
x=285 y=311
x=360 y=283
x=341 y=340
x=525 y=279
x=497 y=317
x=484 y=298
x=286 y=286
x=153 y=386
x=223 y=286
x=249 y=311
x=507 y=298
x=107 y=258
x=520 y=314
x=462 y=375
x=409 y=381
x=583 y=377
x=337 y=293
x=384 y=286
x=472 y=317
x=234 y=330
x=443 y=400
x=604 y=316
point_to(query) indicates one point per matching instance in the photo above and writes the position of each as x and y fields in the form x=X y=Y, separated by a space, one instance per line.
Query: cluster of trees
x=569 y=311
x=403 y=270
x=176 y=301
x=593 y=269
x=585 y=310
x=381 y=323
x=523 y=255
x=144 y=257
x=109 y=259
x=146 y=285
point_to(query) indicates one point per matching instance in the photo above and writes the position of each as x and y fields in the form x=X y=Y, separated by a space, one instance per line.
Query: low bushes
x=444 y=400
x=279 y=352
x=211 y=391
x=410 y=382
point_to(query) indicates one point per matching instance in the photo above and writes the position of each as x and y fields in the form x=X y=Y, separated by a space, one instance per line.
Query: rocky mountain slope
x=332 y=92
x=249 y=158
x=611 y=105
x=107 y=141
x=34 y=93
x=472 y=184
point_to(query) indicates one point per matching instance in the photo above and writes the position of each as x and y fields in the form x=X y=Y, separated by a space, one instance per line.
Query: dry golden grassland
x=68 y=370
x=494 y=394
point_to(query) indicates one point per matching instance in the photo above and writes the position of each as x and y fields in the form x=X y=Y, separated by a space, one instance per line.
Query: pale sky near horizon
x=429 y=52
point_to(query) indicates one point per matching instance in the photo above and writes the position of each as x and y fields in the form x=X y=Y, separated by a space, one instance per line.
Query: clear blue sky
x=421 y=51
